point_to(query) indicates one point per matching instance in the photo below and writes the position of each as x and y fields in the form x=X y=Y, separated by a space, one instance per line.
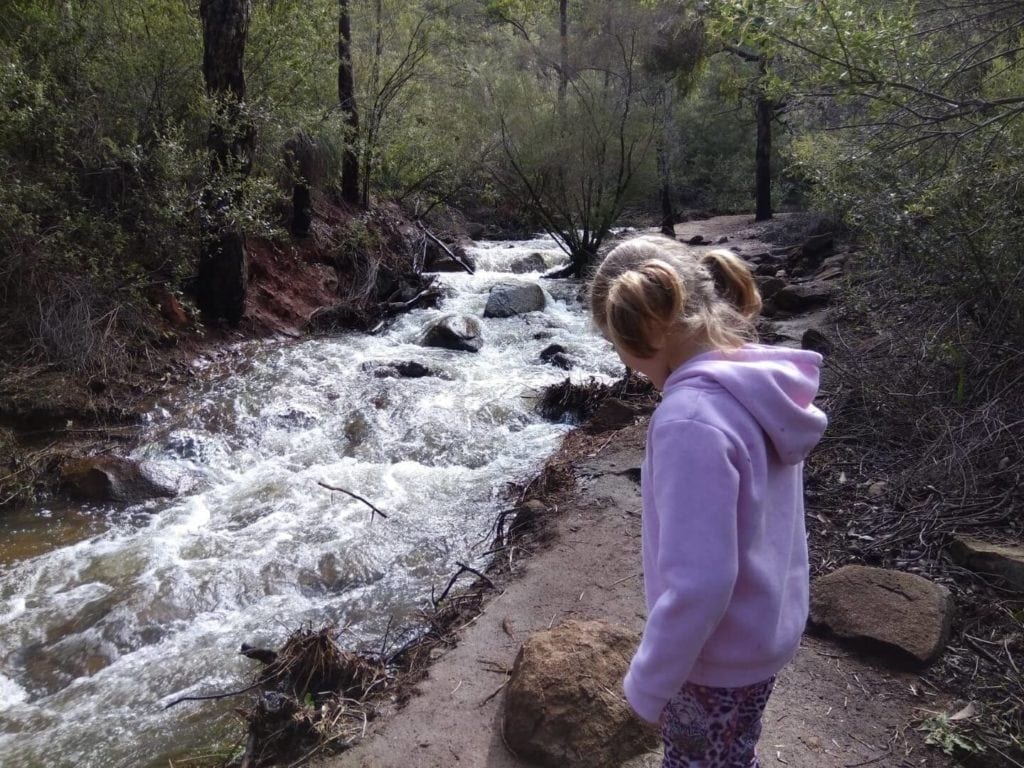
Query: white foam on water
x=95 y=638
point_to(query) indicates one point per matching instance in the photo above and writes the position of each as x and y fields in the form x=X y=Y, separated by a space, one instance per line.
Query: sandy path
x=830 y=708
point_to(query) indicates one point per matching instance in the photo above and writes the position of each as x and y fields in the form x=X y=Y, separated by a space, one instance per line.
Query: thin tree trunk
x=664 y=162
x=370 y=131
x=765 y=109
x=223 y=267
x=563 y=42
x=350 y=114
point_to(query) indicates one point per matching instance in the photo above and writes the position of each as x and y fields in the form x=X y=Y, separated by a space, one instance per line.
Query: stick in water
x=355 y=496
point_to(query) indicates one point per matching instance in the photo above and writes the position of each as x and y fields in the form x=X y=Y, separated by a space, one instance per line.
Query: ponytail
x=733 y=281
x=642 y=304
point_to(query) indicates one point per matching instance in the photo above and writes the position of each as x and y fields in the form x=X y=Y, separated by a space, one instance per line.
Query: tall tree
x=742 y=31
x=350 y=187
x=223 y=268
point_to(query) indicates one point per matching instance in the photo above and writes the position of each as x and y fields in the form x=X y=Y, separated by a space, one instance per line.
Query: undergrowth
x=924 y=444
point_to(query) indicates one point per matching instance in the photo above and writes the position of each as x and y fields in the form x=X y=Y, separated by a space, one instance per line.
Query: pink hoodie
x=724 y=546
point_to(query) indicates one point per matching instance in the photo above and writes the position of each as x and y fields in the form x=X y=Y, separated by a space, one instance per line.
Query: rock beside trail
x=532 y=263
x=113 y=478
x=511 y=299
x=458 y=332
x=768 y=287
x=816 y=341
x=564 y=707
x=891 y=610
x=801 y=297
x=1004 y=561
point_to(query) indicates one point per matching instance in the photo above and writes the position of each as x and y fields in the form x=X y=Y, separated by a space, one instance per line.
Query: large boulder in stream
x=565 y=708
x=511 y=299
x=114 y=478
x=458 y=332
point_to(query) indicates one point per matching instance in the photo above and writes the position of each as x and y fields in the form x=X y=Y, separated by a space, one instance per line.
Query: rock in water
x=556 y=354
x=510 y=299
x=532 y=263
x=1005 y=561
x=564 y=706
x=113 y=478
x=893 y=610
x=458 y=332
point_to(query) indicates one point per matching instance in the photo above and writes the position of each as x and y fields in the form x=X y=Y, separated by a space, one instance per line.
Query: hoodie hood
x=776 y=385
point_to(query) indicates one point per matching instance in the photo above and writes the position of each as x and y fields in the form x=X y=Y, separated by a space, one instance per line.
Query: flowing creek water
x=133 y=607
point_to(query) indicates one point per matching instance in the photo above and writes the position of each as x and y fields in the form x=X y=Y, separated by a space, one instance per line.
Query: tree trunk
x=765 y=109
x=664 y=162
x=223 y=267
x=300 y=153
x=350 y=114
x=563 y=42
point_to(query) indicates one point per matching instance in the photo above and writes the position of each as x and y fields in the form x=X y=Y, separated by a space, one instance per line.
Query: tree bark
x=563 y=43
x=350 y=187
x=765 y=109
x=223 y=267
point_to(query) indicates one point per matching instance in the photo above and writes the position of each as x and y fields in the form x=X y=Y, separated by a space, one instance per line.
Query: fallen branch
x=357 y=497
x=463 y=568
x=451 y=254
x=431 y=292
x=213 y=696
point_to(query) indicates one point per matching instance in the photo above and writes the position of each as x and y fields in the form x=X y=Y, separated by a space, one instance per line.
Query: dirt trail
x=831 y=708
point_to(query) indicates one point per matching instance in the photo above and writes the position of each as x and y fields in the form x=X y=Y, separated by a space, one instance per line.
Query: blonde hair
x=651 y=285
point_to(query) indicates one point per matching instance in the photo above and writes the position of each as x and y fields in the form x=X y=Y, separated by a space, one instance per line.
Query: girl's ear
x=733 y=281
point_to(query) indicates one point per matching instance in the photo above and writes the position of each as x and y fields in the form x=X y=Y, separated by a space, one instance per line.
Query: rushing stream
x=138 y=606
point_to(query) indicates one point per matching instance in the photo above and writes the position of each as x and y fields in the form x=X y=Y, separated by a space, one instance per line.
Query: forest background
x=145 y=144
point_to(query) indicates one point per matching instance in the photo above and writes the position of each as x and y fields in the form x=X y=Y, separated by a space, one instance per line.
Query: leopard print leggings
x=714 y=727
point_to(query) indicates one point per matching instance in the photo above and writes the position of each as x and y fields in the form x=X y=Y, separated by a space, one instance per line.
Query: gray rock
x=556 y=354
x=801 y=297
x=816 y=341
x=511 y=299
x=906 y=615
x=769 y=286
x=404 y=369
x=564 y=707
x=532 y=263
x=1002 y=560
x=114 y=478
x=457 y=332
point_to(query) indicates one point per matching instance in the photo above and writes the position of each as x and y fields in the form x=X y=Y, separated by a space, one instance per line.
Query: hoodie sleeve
x=696 y=491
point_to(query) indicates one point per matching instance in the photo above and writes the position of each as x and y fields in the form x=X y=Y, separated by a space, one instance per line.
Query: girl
x=724 y=548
